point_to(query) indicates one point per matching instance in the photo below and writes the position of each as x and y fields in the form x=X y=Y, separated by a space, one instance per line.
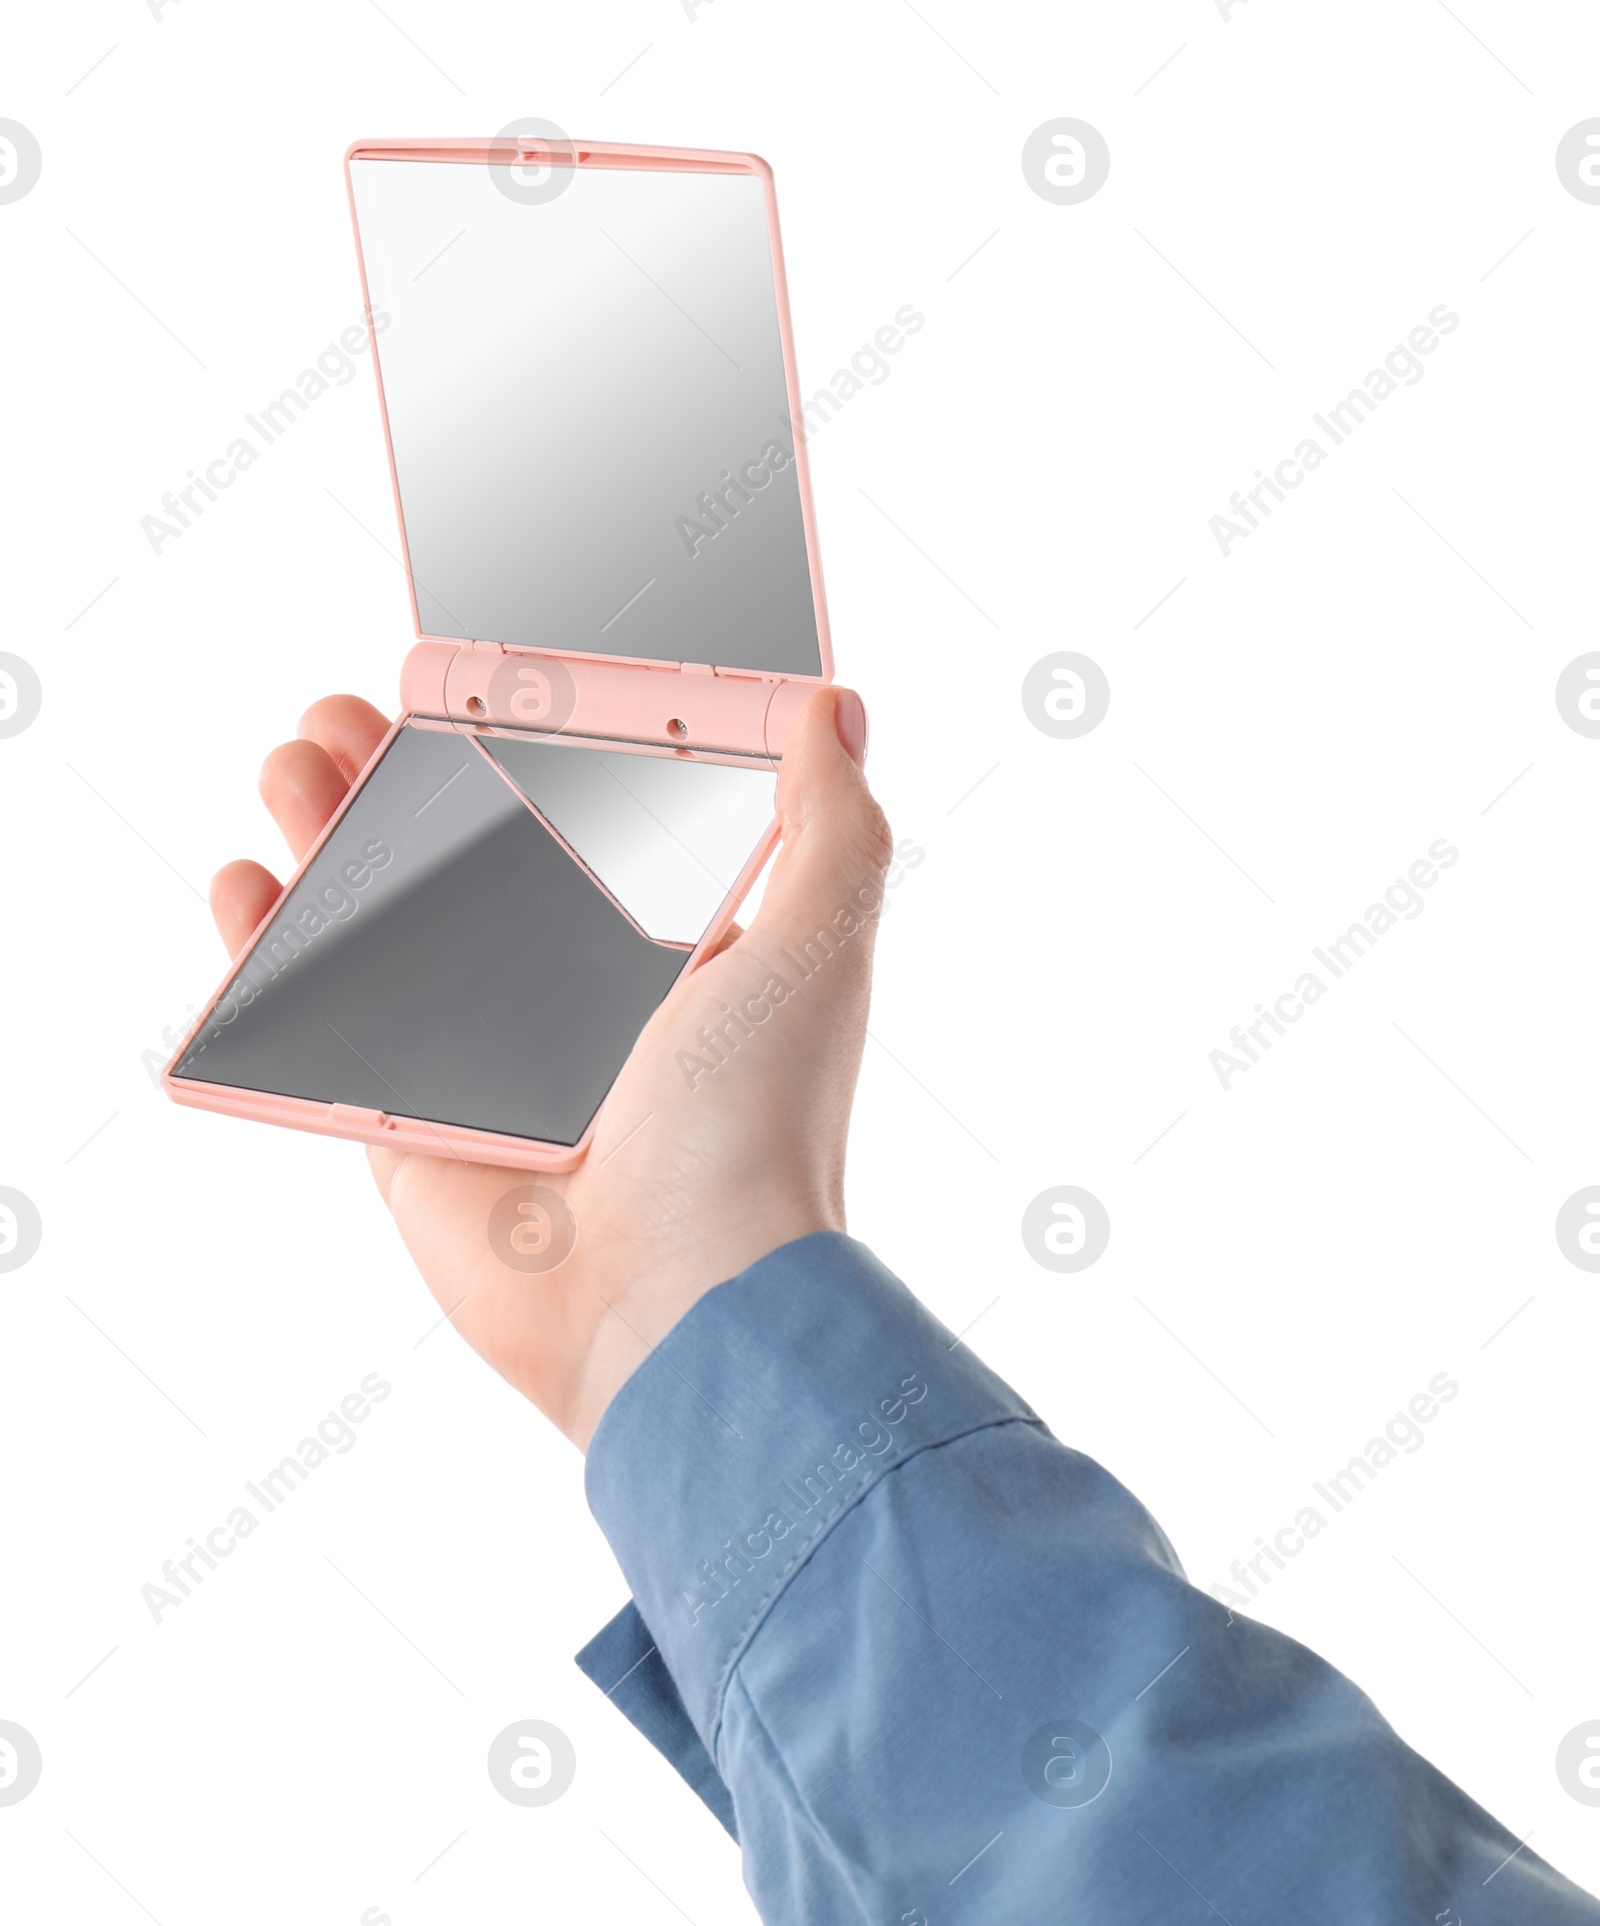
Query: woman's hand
x=694 y=1172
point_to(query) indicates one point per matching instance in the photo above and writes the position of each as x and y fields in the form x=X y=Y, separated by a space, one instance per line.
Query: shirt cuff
x=768 y=1411
x=624 y=1661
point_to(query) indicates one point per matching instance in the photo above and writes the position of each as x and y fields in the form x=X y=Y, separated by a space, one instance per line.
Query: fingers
x=302 y=785
x=821 y=769
x=241 y=894
x=347 y=728
x=303 y=782
x=836 y=843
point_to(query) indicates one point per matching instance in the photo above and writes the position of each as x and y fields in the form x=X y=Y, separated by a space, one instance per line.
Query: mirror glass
x=486 y=931
x=665 y=837
x=586 y=399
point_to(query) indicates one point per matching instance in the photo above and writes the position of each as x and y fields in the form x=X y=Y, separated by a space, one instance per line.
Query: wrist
x=635 y=1306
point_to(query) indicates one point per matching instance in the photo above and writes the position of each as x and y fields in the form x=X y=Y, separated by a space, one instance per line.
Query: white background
x=1288 y=1265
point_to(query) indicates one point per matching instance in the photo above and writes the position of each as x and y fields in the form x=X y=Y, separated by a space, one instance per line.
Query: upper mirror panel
x=585 y=388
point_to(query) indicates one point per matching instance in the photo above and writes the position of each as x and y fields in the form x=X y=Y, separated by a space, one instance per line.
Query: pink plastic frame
x=640 y=706
x=600 y=154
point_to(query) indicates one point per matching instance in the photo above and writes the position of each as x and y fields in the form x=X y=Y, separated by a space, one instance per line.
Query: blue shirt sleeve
x=928 y=1664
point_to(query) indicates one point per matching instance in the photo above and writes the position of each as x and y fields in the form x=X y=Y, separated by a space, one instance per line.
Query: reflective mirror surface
x=586 y=400
x=664 y=836
x=455 y=954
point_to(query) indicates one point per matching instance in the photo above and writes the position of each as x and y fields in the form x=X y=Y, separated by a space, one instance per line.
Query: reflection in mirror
x=666 y=837
x=445 y=957
x=588 y=408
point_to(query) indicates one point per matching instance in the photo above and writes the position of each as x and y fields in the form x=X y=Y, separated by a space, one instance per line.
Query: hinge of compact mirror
x=687 y=707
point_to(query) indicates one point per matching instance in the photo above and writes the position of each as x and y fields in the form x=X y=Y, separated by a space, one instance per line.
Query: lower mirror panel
x=444 y=957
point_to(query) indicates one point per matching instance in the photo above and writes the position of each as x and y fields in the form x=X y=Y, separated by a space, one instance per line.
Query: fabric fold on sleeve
x=626 y=1664
x=761 y=1419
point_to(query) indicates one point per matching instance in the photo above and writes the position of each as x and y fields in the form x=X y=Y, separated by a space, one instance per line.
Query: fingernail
x=850 y=719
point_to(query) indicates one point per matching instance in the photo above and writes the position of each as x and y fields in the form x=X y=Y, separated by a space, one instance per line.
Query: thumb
x=836 y=842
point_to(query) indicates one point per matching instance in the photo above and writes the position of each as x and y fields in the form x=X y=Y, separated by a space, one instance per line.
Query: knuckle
x=874 y=838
